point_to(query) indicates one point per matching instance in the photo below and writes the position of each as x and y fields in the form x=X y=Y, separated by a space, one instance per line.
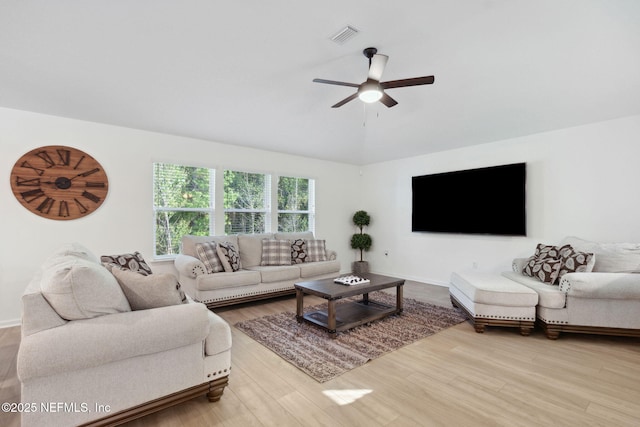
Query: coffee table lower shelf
x=349 y=315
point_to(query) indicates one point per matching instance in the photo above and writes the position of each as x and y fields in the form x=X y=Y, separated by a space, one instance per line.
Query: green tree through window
x=246 y=202
x=182 y=204
x=295 y=212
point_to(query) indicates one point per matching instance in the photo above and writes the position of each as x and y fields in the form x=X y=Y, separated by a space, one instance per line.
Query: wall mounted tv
x=477 y=201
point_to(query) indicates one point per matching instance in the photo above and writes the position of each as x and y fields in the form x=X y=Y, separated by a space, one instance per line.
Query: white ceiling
x=241 y=72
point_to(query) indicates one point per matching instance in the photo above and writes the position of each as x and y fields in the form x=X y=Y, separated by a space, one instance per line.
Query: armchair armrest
x=219 y=337
x=93 y=342
x=189 y=266
x=518 y=264
x=601 y=285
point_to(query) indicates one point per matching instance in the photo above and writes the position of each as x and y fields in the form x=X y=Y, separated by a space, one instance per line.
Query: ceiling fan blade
x=333 y=82
x=344 y=101
x=416 y=81
x=378 y=62
x=388 y=101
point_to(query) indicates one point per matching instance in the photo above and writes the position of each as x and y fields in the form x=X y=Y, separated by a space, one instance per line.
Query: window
x=296 y=210
x=183 y=203
x=247 y=202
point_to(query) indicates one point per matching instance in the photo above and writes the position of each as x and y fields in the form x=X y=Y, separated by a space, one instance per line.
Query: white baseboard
x=9 y=323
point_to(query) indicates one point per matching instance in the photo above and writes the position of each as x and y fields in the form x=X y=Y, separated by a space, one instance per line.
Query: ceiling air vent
x=345 y=34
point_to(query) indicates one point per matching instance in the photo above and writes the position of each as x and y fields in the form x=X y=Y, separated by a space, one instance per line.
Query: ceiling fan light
x=370 y=92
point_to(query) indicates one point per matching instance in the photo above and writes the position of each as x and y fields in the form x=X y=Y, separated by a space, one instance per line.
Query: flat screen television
x=476 y=201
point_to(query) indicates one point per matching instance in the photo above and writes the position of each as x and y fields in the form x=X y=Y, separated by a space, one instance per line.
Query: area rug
x=310 y=349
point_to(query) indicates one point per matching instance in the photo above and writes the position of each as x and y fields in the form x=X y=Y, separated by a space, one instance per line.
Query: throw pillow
x=77 y=288
x=229 y=256
x=574 y=261
x=134 y=262
x=298 y=251
x=546 y=270
x=144 y=292
x=276 y=252
x=549 y=251
x=208 y=254
x=316 y=250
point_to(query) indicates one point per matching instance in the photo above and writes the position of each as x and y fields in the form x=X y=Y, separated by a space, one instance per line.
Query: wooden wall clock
x=59 y=182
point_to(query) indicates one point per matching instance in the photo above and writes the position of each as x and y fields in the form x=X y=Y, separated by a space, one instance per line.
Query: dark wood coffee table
x=347 y=315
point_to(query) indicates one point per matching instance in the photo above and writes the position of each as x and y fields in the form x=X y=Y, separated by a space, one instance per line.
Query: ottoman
x=491 y=299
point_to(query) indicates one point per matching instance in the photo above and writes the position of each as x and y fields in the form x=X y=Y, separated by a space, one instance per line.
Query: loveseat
x=268 y=266
x=581 y=286
x=91 y=353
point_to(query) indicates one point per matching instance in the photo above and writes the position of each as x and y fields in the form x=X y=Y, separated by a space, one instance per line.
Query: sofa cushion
x=276 y=252
x=145 y=292
x=250 y=247
x=316 y=250
x=189 y=242
x=298 y=251
x=210 y=282
x=610 y=257
x=548 y=296
x=490 y=289
x=311 y=269
x=270 y=274
x=208 y=254
x=78 y=287
x=229 y=256
x=134 y=262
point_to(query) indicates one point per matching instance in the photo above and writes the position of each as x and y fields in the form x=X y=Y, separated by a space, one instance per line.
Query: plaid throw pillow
x=316 y=250
x=229 y=256
x=134 y=262
x=276 y=252
x=298 y=251
x=208 y=254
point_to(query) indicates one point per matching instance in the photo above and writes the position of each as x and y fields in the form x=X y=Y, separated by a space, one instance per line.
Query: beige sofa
x=601 y=297
x=110 y=364
x=605 y=300
x=253 y=281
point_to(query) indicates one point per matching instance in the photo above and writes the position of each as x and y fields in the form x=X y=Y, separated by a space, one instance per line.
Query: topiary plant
x=361 y=241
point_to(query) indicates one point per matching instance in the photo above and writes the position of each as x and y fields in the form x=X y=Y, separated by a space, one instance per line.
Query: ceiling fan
x=372 y=89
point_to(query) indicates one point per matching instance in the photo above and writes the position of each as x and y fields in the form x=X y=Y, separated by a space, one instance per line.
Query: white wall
x=581 y=181
x=124 y=222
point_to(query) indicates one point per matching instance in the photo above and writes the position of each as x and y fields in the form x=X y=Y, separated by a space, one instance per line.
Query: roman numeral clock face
x=59 y=182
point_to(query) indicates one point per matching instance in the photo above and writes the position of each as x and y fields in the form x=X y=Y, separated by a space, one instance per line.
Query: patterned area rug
x=310 y=349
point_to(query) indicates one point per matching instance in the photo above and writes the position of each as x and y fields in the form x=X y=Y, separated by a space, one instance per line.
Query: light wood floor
x=454 y=378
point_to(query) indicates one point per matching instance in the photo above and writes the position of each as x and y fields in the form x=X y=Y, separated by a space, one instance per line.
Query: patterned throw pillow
x=276 y=252
x=546 y=270
x=545 y=263
x=134 y=262
x=229 y=256
x=298 y=251
x=208 y=254
x=550 y=252
x=316 y=250
x=573 y=261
